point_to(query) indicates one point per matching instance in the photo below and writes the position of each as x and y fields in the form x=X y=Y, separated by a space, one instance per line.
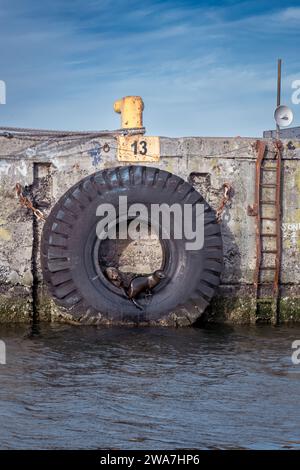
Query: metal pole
x=278 y=94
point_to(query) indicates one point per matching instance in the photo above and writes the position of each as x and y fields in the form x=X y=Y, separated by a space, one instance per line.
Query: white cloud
x=290 y=14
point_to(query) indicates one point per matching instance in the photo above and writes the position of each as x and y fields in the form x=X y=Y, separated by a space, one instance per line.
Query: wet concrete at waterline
x=83 y=387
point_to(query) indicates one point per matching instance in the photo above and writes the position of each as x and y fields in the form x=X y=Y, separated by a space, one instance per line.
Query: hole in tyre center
x=132 y=257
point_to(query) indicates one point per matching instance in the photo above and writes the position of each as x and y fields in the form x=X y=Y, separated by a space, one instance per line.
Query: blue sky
x=203 y=68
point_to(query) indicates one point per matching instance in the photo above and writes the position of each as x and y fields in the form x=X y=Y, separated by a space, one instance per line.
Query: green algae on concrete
x=242 y=310
x=223 y=309
x=289 y=309
x=239 y=310
x=15 y=310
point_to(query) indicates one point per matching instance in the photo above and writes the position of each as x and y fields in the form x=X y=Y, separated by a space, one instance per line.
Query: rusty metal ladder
x=267 y=210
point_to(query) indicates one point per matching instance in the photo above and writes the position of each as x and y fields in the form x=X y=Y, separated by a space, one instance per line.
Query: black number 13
x=142 y=145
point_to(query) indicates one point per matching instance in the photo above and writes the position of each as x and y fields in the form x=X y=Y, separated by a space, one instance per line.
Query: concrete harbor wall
x=47 y=167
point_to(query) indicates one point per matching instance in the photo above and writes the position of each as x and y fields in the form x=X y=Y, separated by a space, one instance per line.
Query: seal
x=114 y=276
x=141 y=284
x=137 y=285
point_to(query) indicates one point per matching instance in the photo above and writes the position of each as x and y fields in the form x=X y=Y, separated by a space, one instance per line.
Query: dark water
x=83 y=387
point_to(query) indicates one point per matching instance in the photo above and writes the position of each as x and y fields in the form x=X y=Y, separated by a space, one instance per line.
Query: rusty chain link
x=224 y=201
x=25 y=202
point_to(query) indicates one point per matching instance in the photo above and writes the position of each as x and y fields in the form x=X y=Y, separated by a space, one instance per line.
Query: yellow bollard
x=131 y=110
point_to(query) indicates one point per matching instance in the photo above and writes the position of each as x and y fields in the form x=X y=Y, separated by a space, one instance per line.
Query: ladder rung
x=268 y=185
x=268 y=218
x=267 y=268
x=270 y=203
x=274 y=252
x=268 y=234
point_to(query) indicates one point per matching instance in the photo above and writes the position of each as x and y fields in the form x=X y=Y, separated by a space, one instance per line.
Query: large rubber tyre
x=68 y=244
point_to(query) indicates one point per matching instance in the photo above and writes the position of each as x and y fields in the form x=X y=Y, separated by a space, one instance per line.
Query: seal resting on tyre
x=141 y=284
x=70 y=252
x=115 y=277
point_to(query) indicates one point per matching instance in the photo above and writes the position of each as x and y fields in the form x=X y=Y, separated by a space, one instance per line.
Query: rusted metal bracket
x=261 y=149
x=252 y=210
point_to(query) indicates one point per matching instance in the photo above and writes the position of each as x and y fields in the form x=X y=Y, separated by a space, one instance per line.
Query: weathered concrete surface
x=288 y=133
x=48 y=167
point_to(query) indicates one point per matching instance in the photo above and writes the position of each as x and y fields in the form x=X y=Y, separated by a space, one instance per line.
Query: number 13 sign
x=133 y=148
